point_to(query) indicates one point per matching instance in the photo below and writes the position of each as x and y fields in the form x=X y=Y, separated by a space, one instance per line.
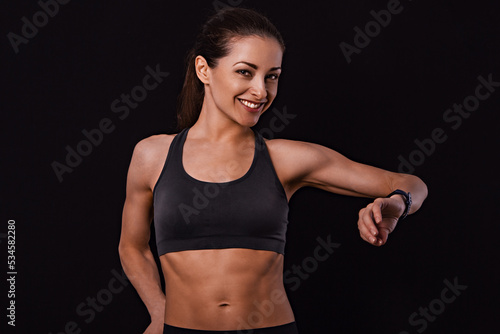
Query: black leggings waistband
x=290 y=328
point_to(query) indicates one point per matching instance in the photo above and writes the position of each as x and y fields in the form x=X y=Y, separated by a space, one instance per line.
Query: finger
x=383 y=236
x=378 y=204
x=365 y=234
x=367 y=230
x=362 y=229
x=367 y=220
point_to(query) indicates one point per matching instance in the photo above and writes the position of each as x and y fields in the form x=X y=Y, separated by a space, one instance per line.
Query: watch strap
x=407 y=197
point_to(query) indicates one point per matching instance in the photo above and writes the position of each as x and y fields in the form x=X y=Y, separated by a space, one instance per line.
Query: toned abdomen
x=225 y=289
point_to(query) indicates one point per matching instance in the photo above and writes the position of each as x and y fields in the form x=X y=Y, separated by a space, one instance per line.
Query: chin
x=246 y=120
x=248 y=123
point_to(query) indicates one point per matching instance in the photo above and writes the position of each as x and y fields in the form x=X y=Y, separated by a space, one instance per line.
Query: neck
x=214 y=126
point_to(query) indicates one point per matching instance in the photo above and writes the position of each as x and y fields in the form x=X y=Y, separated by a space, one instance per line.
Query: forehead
x=264 y=52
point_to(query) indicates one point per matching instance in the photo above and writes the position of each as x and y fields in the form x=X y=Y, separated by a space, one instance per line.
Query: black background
x=395 y=91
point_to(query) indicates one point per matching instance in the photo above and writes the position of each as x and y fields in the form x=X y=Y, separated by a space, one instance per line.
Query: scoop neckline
x=243 y=177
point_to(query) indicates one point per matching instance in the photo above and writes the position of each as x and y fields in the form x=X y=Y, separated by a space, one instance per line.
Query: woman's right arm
x=135 y=254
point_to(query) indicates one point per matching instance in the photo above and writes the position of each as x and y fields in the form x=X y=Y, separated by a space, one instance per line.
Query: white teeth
x=250 y=104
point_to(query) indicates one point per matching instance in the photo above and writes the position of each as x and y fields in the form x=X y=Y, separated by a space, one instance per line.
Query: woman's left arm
x=309 y=164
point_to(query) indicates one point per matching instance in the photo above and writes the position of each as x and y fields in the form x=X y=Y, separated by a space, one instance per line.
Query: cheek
x=227 y=90
x=272 y=91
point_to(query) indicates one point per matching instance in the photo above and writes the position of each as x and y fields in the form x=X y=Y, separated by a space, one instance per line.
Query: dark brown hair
x=213 y=43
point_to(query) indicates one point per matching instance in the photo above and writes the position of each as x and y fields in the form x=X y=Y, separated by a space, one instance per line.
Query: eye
x=273 y=76
x=243 y=72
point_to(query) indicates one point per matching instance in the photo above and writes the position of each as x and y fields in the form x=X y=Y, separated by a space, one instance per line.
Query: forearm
x=142 y=271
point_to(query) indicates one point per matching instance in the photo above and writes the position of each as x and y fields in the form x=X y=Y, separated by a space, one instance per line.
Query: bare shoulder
x=149 y=157
x=149 y=147
x=296 y=162
x=286 y=144
x=287 y=150
x=292 y=160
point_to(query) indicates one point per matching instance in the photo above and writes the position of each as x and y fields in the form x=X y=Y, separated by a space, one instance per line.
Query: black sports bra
x=249 y=212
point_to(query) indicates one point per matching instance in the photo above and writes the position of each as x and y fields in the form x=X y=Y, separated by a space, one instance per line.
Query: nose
x=258 y=88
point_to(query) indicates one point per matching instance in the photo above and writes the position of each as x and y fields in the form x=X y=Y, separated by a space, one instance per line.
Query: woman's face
x=245 y=82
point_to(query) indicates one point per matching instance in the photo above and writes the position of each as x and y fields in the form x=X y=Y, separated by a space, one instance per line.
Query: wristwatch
x=407 y=197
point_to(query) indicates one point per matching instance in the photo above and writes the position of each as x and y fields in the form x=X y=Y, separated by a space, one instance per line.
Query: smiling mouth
x=251 y=105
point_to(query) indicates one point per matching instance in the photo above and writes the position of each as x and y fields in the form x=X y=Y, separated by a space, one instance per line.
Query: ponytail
x=191 y=97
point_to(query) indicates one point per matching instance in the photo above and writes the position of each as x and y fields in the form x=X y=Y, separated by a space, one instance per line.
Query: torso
x=222 y=289
x=225 y=289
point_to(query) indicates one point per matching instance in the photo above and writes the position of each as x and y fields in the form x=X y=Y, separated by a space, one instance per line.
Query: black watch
x=407 y=197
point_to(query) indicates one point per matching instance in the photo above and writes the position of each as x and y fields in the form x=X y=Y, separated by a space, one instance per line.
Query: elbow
x=122 y=251
x=128 y=250
x=425 y=189
x=125 y=251
x=128 y=256
x=419 y=191
x=413 y=184
x=422 y=188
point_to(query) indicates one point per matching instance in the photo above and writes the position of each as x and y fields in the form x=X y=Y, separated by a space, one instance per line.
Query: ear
x=202 y=69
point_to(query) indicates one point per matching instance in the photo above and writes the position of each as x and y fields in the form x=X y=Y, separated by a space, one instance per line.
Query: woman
x=220 y=191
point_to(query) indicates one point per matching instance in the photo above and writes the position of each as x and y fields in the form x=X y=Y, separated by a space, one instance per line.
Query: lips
x=250 y=105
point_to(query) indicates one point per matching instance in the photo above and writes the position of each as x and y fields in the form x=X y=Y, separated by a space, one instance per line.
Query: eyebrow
x=256 y=67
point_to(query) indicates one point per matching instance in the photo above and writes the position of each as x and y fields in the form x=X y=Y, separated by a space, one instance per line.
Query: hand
x=379 y=219
x=156 y=327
